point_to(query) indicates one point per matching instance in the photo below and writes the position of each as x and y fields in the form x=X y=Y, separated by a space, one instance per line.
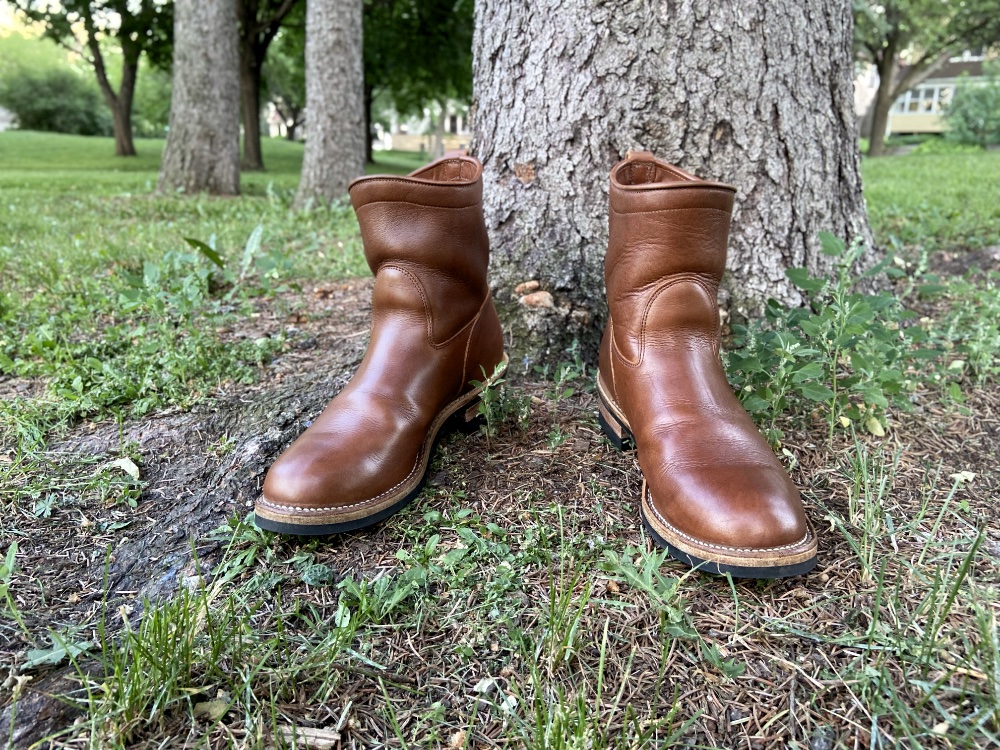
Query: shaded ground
x=535 y=605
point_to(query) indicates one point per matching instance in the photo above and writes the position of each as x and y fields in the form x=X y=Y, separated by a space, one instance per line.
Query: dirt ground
x=200 y=467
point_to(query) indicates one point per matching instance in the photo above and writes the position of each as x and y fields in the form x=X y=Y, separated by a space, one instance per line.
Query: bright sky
x=7 y=20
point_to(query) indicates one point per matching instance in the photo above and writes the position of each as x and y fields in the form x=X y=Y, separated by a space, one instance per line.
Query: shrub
x=55 y=100
x=973 y=114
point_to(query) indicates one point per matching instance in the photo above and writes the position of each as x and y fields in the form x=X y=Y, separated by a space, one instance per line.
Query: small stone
x=525 y=287
x=538 y=299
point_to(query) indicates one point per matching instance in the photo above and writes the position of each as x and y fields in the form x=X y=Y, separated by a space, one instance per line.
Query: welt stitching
x=724 y=547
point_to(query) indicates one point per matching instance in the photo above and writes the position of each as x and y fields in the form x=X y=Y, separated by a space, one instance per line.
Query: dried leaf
x=308 y=737
x=213 y=710
x=127 y=465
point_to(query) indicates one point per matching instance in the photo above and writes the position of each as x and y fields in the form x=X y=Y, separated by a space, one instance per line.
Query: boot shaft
x=429 y=225
x=666 y=255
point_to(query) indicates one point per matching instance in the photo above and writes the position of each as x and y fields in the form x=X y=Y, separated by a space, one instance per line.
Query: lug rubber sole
x=619 y=434
x=462 y=415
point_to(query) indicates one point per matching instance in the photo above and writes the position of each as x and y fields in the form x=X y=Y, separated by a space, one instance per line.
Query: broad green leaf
x=205 y=250
x=831 y=245
x=815 y=392
x=801 y=278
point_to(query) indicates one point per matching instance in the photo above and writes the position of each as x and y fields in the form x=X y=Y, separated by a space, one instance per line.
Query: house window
x=923 y=100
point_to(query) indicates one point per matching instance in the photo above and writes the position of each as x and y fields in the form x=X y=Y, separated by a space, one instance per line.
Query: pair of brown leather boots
x=713 y=492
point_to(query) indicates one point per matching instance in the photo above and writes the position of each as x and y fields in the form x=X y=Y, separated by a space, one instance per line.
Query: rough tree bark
x=203 y=151
x=335 y=118
x=731 y=91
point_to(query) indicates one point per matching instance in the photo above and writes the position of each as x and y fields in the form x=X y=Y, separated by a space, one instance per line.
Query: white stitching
x=648 y=503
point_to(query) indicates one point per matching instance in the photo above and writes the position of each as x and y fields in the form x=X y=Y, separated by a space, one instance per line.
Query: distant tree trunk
x=202 y=151
x=886 y=67
x=251 y=63
x=732 y=92
x=335 y=127
x=119 y=103
x=369 y=154
x=889 y=89
x=259 y=22
x=437 y=150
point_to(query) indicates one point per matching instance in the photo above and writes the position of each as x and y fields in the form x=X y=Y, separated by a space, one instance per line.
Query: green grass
x=935 y=201
x=91 y=259
x=590 y=639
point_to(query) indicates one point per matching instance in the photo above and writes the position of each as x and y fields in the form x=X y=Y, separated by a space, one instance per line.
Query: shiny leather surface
x=711 y=476
x=434 y=329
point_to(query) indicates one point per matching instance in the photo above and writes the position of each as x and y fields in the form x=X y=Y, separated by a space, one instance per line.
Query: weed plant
x=851 y=356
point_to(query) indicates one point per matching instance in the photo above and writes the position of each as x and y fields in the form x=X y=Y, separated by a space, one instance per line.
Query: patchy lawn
x=516 y=603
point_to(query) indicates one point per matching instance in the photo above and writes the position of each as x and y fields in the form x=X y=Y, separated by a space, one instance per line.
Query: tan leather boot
x=713 y=492
x=434 y=330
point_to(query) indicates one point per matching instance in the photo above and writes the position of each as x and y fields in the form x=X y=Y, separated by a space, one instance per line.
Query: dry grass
x=518 y=604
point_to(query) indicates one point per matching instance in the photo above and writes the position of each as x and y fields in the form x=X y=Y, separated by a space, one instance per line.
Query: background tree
x=136 y=26
x=335 y=137
x=45 y=91
x=731 y=92
x=202 y=151
x=259 y=22
x=928 y=31
x=285 y=74
x=417 y=51
x=973 y=114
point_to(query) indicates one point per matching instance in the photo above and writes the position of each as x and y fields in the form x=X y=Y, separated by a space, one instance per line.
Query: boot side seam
x=428 y=311
x=676 y=279
x=468 y=345
x=422 y=205
x=665 y=210
x=614 y=349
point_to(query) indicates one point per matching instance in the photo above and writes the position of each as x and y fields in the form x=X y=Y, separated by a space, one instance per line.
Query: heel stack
x=467 y=420
x=614 y=429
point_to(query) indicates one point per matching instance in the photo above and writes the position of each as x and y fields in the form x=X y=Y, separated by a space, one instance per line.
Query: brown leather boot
x=713 y=492
x=434 y=330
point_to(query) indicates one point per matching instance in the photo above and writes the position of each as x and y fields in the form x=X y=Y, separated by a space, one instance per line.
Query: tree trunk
x=882 y=104
x=120 y=104
x=251 y=63
x=369 y=154
x=732 y=92
x=437 y=150
x=335 y=119
x=203 y=149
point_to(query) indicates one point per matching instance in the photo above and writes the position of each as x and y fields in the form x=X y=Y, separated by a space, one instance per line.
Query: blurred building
x=921 y=109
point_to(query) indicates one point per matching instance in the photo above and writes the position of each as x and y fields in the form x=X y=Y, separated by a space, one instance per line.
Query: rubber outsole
x=620 y=436
x=721 y=569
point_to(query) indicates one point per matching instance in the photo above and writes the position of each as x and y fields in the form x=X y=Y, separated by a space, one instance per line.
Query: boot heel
x=616 y=432
x=467 y=420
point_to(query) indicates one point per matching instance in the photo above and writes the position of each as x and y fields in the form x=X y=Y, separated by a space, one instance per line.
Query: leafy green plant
x=501 y=404
x=973 y=114
x=844 y=353
x=7 y=567
x=641 y=569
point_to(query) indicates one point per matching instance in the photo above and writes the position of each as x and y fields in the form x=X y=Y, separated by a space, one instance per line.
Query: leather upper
x=434 y=329
x=711 y=476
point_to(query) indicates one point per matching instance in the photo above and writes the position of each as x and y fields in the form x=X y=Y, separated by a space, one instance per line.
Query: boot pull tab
x=455 y=153
x=642 y=166
x=632 y=155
